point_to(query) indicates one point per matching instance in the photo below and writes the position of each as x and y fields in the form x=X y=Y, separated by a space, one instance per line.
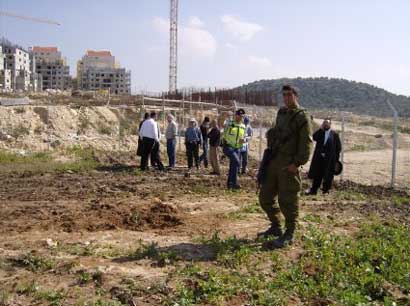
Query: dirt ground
x=69 y=238
x=92 y=223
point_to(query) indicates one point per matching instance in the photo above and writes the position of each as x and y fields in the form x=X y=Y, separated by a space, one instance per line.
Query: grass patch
x=350 y=195
x=230 y=252
x=152 y=252
x=358 y=148
x=10 y=158
x=401 y=200
x=34 y=263
x=4 y=297
x=32 y=289
x=244 y=211
x=371 y=268
x=85 y=277
x=83 y=159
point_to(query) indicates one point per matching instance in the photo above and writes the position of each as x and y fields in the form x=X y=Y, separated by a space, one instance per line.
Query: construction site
x=81 y=224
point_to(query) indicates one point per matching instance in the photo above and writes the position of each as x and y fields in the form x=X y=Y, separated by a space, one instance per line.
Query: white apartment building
x=98 y=70
x=17 y=61
x=5 y=74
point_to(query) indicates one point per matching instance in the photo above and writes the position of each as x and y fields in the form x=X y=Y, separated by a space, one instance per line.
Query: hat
x=338 y=168
x=240 y=112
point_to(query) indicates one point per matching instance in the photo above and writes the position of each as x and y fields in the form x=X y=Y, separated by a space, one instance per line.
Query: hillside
x=321 y=93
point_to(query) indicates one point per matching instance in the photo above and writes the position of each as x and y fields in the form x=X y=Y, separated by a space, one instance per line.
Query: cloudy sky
x=227 y=43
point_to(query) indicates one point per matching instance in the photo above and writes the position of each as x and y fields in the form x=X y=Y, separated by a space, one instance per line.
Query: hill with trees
x=330 y=93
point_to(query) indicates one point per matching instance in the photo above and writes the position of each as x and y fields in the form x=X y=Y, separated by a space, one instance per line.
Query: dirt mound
x=97 y=215
x=371 y=190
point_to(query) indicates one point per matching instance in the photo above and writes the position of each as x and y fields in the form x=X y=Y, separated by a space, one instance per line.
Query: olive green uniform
x=292 y=140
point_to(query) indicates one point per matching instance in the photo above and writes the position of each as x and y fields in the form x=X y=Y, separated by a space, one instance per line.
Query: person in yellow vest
x=233 y=140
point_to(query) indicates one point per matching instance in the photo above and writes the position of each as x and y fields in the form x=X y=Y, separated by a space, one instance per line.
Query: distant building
x=97 y=70
x=16 y=67
x=5 y=74
x=52 y=68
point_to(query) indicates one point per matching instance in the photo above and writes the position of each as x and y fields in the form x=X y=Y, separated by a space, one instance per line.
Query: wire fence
x=368 y=142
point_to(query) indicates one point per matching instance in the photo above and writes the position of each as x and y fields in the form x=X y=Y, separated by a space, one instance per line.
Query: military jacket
x=291 y=136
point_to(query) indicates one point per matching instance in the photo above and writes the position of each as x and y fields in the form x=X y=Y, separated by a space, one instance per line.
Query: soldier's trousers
x=285 y=186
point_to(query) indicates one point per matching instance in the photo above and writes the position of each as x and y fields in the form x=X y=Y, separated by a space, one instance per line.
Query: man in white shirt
x=150 y=135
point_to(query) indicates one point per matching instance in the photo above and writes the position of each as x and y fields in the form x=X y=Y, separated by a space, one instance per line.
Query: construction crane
x=41 y=20
x=173 y=46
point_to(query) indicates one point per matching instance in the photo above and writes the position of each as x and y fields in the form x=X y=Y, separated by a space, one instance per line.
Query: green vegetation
x=243 y=212
x=34 y=263
x=359 y=147
x=85 y=277
x=10 y=158
x=33 y=289
x=151 y=251
x=82 y=159
x=349 y=195
x=370 y=268
x=328 y=93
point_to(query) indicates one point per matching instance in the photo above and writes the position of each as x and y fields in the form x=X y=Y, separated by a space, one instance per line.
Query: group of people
x=289 y=143
x=207 y=137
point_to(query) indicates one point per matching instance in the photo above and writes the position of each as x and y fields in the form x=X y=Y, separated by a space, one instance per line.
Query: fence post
x=163 y=112
x=342 y=154
x=183 y=109
x=260 y=140
x=394 y=158
x=190 y=106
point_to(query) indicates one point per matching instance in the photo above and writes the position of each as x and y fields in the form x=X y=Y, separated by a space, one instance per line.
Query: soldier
x=290 y=142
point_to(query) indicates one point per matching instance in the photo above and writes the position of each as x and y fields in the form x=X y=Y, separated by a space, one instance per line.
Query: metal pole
x=394 y=159
x=190 y=106
x=260 y=140
x=163 y=112
x=342 y=154
x=183 y=110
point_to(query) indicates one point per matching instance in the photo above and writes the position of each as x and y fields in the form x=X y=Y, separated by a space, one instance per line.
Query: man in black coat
x=327 y=153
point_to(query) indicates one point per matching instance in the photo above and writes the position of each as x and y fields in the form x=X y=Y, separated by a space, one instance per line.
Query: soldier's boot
x=274 y=230
x=283 y=241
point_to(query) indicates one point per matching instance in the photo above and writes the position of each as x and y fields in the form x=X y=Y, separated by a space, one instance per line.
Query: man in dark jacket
x=327 y=153
x=214 y=141
x=204 y=131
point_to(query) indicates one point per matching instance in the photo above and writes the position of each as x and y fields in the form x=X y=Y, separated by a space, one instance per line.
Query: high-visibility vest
x=233 y=134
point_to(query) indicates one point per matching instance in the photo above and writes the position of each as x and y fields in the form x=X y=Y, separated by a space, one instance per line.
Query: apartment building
x=17 y=61
x=98 y=70
x=52 y=67
x=5 y=74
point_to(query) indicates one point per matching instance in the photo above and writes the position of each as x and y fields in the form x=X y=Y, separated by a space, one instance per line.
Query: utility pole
x=173 y=46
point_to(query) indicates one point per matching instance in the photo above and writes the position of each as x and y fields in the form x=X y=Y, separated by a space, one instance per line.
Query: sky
x=226 y=43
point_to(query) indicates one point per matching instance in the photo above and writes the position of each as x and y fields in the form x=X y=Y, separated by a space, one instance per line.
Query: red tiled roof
x=98 y=53
x=45 y=49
